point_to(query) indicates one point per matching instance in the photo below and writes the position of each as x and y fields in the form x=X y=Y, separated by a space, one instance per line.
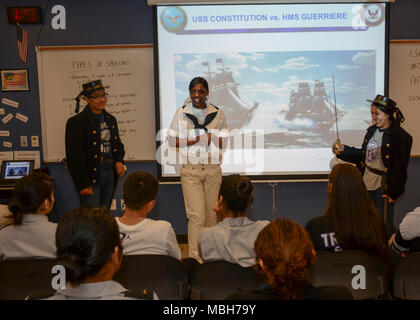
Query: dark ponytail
x=85 y=241
x=399 y=116
x=237 y=193
x=73 y=266
x=28 y=195
x=17 y=212
x=78 y=102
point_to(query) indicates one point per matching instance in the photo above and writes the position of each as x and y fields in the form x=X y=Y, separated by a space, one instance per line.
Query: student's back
x=407 y=237
x=321 y=231
x=34 y=238
x=149 y=237
x=140 y=234
x=351 y=220
x=232 y=238
x=31 y=235
x=284 y=255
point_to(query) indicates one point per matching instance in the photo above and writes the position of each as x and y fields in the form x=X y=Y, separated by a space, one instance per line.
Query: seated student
x=89 y=248
x=232 y=238
x=31 y=235
x=351 y=220
x=284 y=254
x=407 y=238
x=140 y=234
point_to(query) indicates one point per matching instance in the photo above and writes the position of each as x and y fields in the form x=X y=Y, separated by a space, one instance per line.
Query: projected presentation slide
x=285 y=75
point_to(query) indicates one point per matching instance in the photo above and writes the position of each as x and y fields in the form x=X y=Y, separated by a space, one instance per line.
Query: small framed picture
x=14 y=80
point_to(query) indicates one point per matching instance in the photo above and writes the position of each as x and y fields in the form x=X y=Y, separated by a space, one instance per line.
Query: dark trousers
x=379 y=202
x=102 y=191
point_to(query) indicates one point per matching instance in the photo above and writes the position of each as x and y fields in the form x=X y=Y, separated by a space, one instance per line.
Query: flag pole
x=36 y=45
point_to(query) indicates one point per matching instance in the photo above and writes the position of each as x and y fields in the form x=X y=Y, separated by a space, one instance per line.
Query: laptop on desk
x=13 y=170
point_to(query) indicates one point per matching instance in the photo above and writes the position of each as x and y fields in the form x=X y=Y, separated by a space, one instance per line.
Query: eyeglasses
x=99 y=96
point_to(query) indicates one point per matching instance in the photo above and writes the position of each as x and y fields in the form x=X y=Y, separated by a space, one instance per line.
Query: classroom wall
x=97 y=22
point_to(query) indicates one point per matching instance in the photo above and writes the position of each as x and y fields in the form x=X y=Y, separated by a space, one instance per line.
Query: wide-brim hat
x=384 y=103
x=91 y=86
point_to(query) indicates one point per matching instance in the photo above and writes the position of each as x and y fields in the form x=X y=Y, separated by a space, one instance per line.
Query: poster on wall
x=14 y=80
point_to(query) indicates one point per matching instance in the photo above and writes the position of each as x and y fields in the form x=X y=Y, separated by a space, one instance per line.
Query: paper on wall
x=9 y=102
x=6 y=155
x=21 y=117
x=7 y=118
x=28 y=155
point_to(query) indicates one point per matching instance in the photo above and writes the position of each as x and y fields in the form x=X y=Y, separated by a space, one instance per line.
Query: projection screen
x=282 y=74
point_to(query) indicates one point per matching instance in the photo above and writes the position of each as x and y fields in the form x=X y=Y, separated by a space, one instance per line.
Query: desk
x=6 y=192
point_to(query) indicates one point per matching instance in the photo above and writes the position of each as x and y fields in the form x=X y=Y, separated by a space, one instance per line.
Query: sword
x=335 y=111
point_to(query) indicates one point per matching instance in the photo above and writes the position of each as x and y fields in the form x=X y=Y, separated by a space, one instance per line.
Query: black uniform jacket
x=395 y=152
x=83 y=146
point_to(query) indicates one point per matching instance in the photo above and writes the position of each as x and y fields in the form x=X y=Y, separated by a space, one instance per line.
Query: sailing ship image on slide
x=224 y=92
x=313 y=117
x=316 y=107
x=286 y=94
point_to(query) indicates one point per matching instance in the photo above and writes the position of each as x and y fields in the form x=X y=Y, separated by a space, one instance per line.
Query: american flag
x=12 y=79
x=22 y=43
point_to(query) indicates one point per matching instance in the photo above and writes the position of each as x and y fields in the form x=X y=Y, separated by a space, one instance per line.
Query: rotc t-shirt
x=322 y=234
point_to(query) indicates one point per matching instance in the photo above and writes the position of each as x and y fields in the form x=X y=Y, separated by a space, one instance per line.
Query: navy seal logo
x=372 y=14
x=173 y=19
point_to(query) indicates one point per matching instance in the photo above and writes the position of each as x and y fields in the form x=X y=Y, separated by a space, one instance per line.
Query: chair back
x=216 y=280
x=164 y=275
x=406 y=278
x=19 y=278
x=363 y=274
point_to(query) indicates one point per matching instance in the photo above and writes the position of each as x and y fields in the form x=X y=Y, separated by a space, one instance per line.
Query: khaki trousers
x=200 y=188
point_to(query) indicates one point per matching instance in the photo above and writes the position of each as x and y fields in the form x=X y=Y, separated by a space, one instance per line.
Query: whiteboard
x=404 y=85
x=128 y=70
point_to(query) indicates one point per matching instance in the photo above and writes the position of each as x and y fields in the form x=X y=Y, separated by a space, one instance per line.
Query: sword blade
x=335 y=110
